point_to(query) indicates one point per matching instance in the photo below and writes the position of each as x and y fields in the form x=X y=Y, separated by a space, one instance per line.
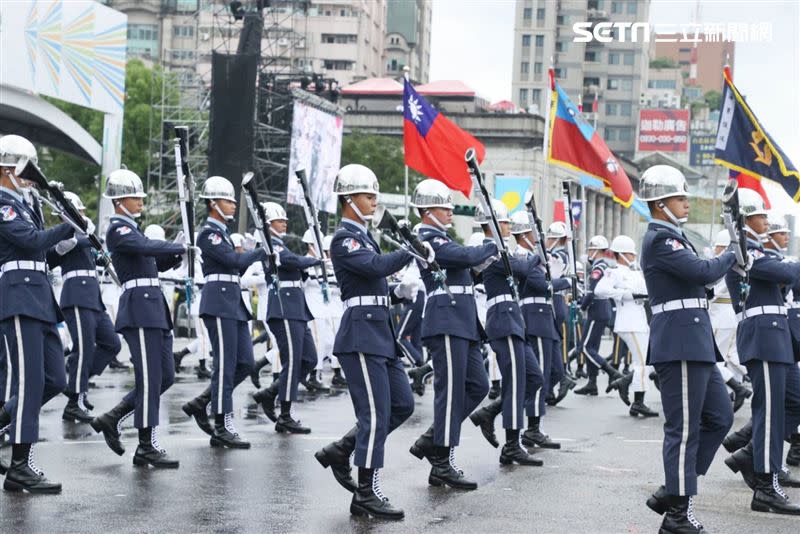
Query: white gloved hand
x=90 y=228
x=480 y=268
x=328 y=265
x=63 y=247
x=249 y=243
x=431 y=253
x=277 y=258
x=557 y=266
x=180 y=238
x=743 y=271
x=406 y=290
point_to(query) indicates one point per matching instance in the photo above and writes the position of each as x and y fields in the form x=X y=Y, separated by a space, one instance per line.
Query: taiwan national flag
x=574 y=144
x=433 y=145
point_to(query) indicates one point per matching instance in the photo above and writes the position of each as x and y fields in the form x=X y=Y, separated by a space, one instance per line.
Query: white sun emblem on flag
x=611 y=165
x=415 y=109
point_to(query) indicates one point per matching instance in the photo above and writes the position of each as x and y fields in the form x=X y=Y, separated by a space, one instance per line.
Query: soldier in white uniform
x=201 y=344
x=625 y=284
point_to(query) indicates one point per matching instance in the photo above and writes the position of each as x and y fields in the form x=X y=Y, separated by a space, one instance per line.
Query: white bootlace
x=122 y=420
x=229 y=424
x=690 y=514
x=453 y=461
x=81 y=404
x=154 y=440
x=32 y=463
x=776 y=485
x=376 y=486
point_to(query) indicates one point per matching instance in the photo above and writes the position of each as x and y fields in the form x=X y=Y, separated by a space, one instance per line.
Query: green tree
x=382 y=154
x=663 y=63
x=713 y=98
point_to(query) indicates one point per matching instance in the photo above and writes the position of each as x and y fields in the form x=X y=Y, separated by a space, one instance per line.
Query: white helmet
x=355 y=178
x=500 y=210
x=238 y=240
x=579 y=267
x=723 y=239
x=14 y=149
x=123 y=183
x=750 y=202
x=155 y=232
x=557 y=230
x=521 y=223
x=623 y=244
x=326 y=242
x=274 y=212
x=475 y=240
x=308 y=237
x=217 y=187
x=431 y=193
x=598 y=242
x=75 y=200
x=777 y=223
x=662 y=181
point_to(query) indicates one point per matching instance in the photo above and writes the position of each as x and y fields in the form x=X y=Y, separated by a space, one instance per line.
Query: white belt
x=80 y=272
x=454 y=290
x=535 y=300
x=680 y=304
x=291 y=283
x=141 y=282
x=222 y=278
x=761 y=310
x=23 y=265
x=498 y=299
x=368 y=300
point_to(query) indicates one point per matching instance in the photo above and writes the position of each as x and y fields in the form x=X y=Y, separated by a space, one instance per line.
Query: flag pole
x=546 y=133
x=405 y=170
x=725 y=67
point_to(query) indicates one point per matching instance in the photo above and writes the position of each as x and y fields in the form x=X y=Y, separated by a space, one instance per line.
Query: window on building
x=143 y=32
x=537 y=67
x=616 y=7
x=523 y=97
x=560 y=72
x=562 y=46
x=587 y=82
x=540 y=14
x=610 y=134
x=334 y=64
x=631 y=8
x=613 y=58
x=342 y=12
x=183 y=31
x=344 y=38
x=591 y=56
x=627 y=58
x=539 y=41
x=625 y=109
x=562 y=20
x=684 y=50
x=626 y=84
x=393 y=65
x=612 y=84
x=661 y=84
x=536 y=96
x=625 y=134
x=524 y=67
x=611 y=108
x=527 y=14
x=526 y=41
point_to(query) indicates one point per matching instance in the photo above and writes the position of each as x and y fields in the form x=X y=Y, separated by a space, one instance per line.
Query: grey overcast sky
x=472 y=40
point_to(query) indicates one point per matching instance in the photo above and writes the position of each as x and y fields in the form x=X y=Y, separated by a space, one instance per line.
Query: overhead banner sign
x=663 y=130
x=701 y=150
x=71 y=50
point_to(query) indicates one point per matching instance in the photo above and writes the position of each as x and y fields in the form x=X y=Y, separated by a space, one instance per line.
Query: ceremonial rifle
x=572 y=253
x=734 y=223
x=313 y=225
x=185 y=182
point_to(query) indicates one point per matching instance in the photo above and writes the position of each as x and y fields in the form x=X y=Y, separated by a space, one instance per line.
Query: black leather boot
x=338 y=380
x=484 y=419
x=793 y=456
x=739 y=438
x=368 y=498
x=622 y=385
x=23 y=475
x=564 y=386
x=109 y=424
x=225 y=435
x=203 y=373
x=659 y=501
x=116 y=364
x=494 y=390
x=150 y=452
x=741 y=461
x=178 y=358
x=534 y=437
x=589 y=389
x=768 y=496
x=336 y=455
x=639 y=407
x=786 y=480
x=418 y=376
x=83 y=400
x=424 y=446
x=74 y=412
x=5 y=420
x=444 y=471
x=313 y=384
x=740 y=393
x=679 y=518
x=196 y=408
x=3 y=467
x=266 y=398
x=255 y=374
x=514 y=453
x=613 y=376
x=285 y=423
x=580 y=372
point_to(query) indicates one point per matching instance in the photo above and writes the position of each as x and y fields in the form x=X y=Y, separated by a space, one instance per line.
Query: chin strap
x=279 y=235
x=676 y=221
x=437 y=222
x=779 y=248
x=227 y=218
x=364 y=218
x=531 y=245
x=761 y=238
x=128 y=213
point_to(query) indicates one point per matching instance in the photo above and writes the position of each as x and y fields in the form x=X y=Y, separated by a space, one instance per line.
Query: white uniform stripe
x=685 y=429
x=536 y=409
x=513 y=353
x=20 y=380
x=291 y=361
x=767 y=414
x=145 y=379
x=449 y=406
x=372 y=415
x=221 y=370
x=79 y=327
x=8 y=370
x=583 y=344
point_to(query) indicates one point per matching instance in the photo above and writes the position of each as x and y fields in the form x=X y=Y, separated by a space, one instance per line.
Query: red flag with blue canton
x=574 y=144
x=744 y=146
x=433 y=145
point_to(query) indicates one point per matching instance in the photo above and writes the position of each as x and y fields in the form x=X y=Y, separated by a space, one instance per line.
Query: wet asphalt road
x=597 y=483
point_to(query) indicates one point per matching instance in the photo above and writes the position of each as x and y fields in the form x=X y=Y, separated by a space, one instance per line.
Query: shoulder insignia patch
x=215 y=238
x=8 y=213
x=756 y=254
x=278 y=249
x=674 y=244
x=440 y=241
x=351 y=244
x=124 y=230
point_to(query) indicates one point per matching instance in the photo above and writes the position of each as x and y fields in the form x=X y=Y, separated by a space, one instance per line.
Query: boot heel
x=475 y=419
x=416 y=451
x=506 y=461
x=435 y=482
x=758 y=507
x=322 y=458
x=10 y=485
x=216 y=443
x=139 y=462
x=731 y=463
x=358 y=511
x=95 y=424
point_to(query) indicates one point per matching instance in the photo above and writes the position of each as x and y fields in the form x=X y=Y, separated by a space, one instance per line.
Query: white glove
x=739 y=270
x=431 y=253
x=406 y=290
x=480 y=268
x=328 y=265
x=62 y=247
x=90 y=228
x=557 y=266
x=249 y=243
x=180 y=238
x=277 y=258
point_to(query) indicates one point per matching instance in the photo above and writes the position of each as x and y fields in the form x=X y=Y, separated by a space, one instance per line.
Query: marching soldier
x=764 y=343
x=224 y=314
x=452 y=334
x=696 y=406
x=28 y=317
x=143 y=320
x=556 y=240
x=94 y=341
x=365 y=346
x=287 y=317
